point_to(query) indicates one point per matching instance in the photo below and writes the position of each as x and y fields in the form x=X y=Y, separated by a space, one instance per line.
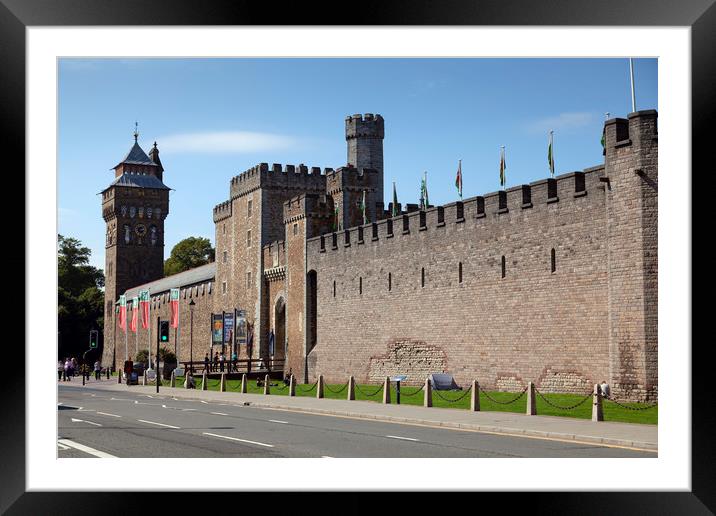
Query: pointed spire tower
x=134 y=207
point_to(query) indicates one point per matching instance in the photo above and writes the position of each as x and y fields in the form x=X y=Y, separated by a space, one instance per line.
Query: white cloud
x=226 y=142
x=561 y=122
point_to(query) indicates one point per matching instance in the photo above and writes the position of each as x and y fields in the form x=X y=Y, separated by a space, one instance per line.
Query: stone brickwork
x=553 y=282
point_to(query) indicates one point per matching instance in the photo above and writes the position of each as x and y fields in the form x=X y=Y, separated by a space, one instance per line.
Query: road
x=98 y=423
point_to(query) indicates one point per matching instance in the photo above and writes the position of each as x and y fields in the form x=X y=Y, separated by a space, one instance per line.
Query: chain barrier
x=629 y=408
x=298 y=388
x=414 y=393
x=366 y=394
x=285 y=386
x=483 y=391
x=325 y=386
x=437 y=393
x=571 y=407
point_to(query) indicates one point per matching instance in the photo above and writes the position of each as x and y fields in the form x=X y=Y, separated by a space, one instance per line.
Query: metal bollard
x=319 y=389
x=267 y=389
x=531 y=401
x=243 y=383
x=292 y=386
x=386 y=390
x=204 y=382
x=475 y=397
x=222 y=386
x=597 y=411
x=351 y=388
x=428 y=397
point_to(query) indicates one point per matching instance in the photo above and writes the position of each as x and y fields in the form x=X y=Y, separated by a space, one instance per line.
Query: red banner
x=135 y=316
x=145 y=314
x=175 y=314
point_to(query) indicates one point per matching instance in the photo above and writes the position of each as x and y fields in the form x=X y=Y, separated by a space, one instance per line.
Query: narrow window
x=553 y=260
x=422 y=277
x=334 y=288
x=248 y=280
x=295 y=229
x=459 y=272
x=360 y=233
x=390 y=282
x=375 y=231
x=224 y=255
x=248 y=238
x=503 y=266
x=323 y=243
x=360 y=285
x=223 y=229
x=223 y=289
x=389 y=227
x=459 y=211
x=249 y=206
x=441 y=215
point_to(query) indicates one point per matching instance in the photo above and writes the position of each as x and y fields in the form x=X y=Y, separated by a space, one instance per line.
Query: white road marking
x=204 y=401
x=86 y=449
x=108 y=414
x=60 y=403
x=404 y=438
x=83 y=421
x=277 y=421
x=120 y=399
x=160 y=424
x=218 y=413
x=326 y=457
x=62 y=446
x=85 y=410
x=187 y=409
x=237 y=439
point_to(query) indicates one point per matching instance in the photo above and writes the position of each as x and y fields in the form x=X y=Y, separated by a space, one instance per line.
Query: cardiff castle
x=553 y=282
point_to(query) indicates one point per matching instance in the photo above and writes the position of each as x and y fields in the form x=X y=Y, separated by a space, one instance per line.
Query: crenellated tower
x=364 y=135
x=134 y=207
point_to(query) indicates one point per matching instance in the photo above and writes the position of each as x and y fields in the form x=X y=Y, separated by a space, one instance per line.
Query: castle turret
x=364 y=134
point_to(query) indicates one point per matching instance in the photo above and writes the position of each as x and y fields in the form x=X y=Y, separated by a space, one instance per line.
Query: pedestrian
x=189 y=382
x=206 y=362
x=216 y=361
x=60 y=369
x=604 y=387
x=97 y=369
x=222 y=359
x=66 y=370
x=234 y=360
x=287 y=379
x=74 y=370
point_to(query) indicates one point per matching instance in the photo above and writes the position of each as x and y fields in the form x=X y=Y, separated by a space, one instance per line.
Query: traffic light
x=94 y=334
x=164 y=331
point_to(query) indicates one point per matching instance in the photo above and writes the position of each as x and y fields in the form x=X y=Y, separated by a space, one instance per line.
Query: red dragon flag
x=144 y=304
x=458 y=179
x=175 y=307
x=123 y=312
x=135 y=315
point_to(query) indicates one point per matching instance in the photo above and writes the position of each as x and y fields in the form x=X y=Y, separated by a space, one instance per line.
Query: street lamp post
x=191 y=335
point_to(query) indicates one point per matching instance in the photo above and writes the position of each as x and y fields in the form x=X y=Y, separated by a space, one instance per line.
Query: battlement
x=352 y=178
x=299 y=177
x=565 y=188
x=222 y=211
x=308 y=205
x=365 y=126
x=274 y=254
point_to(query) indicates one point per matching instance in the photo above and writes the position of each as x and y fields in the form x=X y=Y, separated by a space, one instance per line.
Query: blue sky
x=214 y=118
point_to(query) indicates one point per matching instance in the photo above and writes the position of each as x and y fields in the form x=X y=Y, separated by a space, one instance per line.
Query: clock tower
x=134 y=207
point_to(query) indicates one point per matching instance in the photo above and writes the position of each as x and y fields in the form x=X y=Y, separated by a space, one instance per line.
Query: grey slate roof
x=197 y=275
x=139 y=181
x=136 y=156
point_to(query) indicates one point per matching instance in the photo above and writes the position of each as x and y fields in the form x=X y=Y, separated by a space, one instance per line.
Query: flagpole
x=149 y=327
x=633 y=97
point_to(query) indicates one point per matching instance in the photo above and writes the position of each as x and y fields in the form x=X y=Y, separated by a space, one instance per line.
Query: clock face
x=141 y=229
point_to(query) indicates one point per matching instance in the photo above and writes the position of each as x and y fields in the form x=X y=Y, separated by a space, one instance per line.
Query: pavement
x=628 y=435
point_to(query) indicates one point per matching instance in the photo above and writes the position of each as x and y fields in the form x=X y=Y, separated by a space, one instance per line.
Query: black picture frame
x=699 y=15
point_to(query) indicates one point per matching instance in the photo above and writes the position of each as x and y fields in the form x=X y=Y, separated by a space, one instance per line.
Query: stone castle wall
x=532 y=325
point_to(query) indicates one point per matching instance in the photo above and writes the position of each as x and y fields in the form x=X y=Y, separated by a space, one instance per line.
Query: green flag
x=603 y=142
x=424 y=202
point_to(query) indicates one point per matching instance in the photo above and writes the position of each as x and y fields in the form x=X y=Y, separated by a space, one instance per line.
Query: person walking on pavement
x=60 y=369
x=206 y=362
x=234 y=360
x=68 y=369
x=216 y=361
x=97 y=369
x=73 y=367
x=222 y=359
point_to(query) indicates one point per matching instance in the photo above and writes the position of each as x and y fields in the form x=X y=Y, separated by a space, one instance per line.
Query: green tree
x=80 y=297
x=187 y=254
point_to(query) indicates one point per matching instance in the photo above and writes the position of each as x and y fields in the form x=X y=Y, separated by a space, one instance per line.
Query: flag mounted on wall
x=123 y=312
x=458 y=179
x=174 y=298
x=144 y=304
x=550 y=153
x=135 y=315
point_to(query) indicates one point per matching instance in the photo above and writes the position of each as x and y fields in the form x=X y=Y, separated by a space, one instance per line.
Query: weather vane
x=136 y=131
